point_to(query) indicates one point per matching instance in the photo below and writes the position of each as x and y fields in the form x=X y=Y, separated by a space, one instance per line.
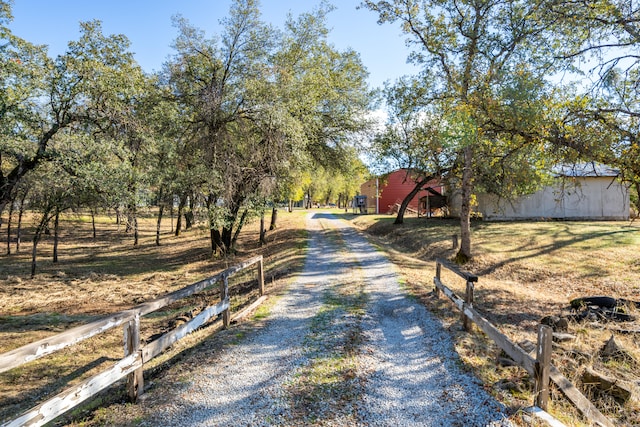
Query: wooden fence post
x=468 y=299
x=135 y=380
x=542 y=366
x=438 y=273
x=224 y=296
x=261 y=277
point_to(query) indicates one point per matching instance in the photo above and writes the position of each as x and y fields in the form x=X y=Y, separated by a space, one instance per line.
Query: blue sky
x=147 y=24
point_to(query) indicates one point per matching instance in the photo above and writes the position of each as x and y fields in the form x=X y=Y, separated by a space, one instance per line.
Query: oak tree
x=469 y=47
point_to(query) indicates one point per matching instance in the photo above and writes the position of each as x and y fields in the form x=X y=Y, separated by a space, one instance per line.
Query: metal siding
x=592 y=198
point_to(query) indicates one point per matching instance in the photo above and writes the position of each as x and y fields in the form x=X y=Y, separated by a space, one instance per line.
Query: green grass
x=328 y=386
x=262 y=312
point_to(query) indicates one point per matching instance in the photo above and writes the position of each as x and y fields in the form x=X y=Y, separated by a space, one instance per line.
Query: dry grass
x=528 y=271
x=107 y=275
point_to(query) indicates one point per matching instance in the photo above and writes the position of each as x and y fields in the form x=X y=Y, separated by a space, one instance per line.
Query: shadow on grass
x=55 y=322
x=494 y=305
x=107 y=257
x=56 y=380
x=416 y=234
x=557 y=245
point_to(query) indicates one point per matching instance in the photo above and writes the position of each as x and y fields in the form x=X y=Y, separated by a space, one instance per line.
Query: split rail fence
x=539 y=367
x=131 y=366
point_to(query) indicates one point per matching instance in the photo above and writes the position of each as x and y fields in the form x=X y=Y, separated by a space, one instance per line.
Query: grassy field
x=526 y=270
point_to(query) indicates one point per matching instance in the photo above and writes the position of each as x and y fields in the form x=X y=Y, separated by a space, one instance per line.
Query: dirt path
x=345 y=346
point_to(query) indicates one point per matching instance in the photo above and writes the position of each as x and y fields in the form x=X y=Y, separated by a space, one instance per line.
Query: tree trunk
x=36 y=239
x=409 y=197
x=129 y=226
x=464 y=254
x=274 y=218
x=171 y=213
x=243 y=218
x=230 y=221
x=56 y=235
x=217 y=245
x=212 y=238
x=118 y=218
x=9 y=228
x=160 y=211
x=132 y=223
x=2 y=206
x=183 y=202
x=290 y=205
x=263 y=241
x=189 y=215
x=20 y=214
x=638 y=202
x=93 y=223
x=227 y=238
x=188 y=219
x=135 y=229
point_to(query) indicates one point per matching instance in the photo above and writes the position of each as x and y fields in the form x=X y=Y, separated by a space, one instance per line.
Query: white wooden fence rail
x=135 y=356
x=540 y=367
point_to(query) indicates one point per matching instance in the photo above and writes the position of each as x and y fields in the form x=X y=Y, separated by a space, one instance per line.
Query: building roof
x=586 y=169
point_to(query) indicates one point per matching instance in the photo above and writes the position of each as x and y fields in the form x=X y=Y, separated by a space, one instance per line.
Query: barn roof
x=586 y=169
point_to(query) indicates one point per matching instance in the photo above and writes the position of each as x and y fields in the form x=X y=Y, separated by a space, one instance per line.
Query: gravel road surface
x=345 y=346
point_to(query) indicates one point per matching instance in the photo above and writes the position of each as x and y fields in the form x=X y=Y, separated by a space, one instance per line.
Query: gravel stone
x=412 y=373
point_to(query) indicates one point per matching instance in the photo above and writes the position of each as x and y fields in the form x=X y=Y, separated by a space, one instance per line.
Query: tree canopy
x=259 y=103
x=473 y=53
x=254 y=115
x=227 y=126
x=493 y=72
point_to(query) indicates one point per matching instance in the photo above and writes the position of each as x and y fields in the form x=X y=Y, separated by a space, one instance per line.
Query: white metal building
x=585 y=191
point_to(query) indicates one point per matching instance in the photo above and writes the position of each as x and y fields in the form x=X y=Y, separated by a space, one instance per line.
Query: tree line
x=231 y=123
x=257 y=114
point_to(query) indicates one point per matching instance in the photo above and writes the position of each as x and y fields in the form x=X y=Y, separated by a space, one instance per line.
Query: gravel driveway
x=345 y=346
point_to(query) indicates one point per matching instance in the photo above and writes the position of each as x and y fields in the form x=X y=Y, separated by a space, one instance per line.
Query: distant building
x=585 y=191
x=391 y=189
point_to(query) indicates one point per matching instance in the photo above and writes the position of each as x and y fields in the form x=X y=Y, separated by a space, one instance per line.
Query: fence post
x=261 y=277
x=438 y=273
x=224 y=296
x=468 y=299
x=135 y=380
x=542 y=366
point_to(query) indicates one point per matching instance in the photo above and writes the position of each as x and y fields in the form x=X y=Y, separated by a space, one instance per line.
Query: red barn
x=392 y=188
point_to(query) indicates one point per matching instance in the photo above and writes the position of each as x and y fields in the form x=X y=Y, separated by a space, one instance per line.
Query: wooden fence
x=135 y=356
x=539 y=367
